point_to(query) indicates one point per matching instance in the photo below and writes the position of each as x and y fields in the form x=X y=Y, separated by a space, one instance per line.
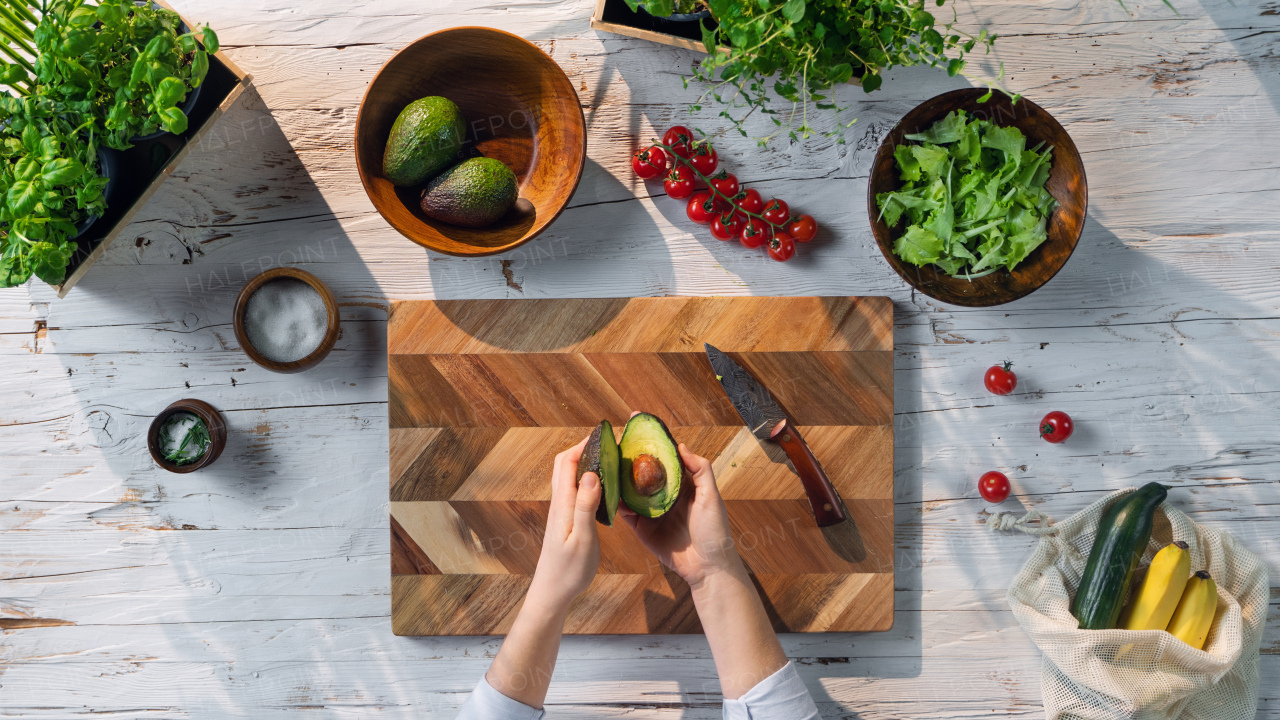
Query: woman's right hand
x=693 y=537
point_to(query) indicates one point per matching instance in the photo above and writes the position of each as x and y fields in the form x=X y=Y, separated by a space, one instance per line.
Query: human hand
x=693 y=537
x=570 y=545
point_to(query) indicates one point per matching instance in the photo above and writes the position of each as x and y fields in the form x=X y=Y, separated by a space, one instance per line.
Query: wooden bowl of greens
x=974 y=203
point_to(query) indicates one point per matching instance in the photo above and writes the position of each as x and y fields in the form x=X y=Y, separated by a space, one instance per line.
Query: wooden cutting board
x=484 y=393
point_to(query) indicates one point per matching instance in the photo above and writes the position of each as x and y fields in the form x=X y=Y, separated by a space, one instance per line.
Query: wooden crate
x=145 y=167
x=614 y=15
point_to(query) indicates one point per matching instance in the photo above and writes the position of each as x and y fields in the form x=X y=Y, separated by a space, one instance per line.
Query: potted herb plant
x=143 y=66
x=798 y=50
x=79 y=76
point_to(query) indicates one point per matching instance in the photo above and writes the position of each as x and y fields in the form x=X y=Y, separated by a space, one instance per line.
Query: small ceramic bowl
x=1066 y=183
x=330 y=333
x=212 y=420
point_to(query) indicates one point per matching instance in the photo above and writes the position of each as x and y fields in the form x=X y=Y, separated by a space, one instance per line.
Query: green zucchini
x=1123 y=534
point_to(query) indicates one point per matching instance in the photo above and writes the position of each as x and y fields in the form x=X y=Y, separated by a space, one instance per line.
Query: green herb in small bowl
x=973 y=196
x=184 y=438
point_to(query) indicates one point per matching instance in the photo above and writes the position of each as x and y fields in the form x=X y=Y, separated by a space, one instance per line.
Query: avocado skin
x=425 y=139
x=473 y=193
x=646 y=434
x=600 y=456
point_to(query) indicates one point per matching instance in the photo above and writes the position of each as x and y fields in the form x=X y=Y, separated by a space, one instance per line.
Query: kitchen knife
x=767 y=421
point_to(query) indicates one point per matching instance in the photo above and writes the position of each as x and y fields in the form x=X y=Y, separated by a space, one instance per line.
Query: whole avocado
x=425 y=139
x=473 y=193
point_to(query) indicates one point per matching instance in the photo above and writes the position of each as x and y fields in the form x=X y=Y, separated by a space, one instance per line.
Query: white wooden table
x=259 y=587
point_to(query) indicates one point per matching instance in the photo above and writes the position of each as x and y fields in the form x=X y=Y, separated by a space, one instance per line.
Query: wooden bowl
x=212 y=420
x=520 y=108
x=330 y=332
x=1066 y=183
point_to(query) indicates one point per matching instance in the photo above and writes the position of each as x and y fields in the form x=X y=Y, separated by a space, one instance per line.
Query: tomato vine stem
x=679 y=160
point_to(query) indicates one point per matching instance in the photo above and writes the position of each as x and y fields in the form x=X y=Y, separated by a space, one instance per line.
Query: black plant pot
x=678 y=17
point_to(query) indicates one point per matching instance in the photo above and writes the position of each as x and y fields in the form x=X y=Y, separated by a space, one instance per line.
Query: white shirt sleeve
x=486 y=703
x=781 y=696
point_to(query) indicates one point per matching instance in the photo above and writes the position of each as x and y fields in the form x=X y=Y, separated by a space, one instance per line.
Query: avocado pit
x=648 y=475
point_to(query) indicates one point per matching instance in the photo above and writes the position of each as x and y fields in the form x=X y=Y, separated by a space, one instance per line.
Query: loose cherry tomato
x=749 y=200
x=782 y=247
x=680 y=140
x=702 y=207
x=802 y=228
x=1056 y=427
x=776 y=212
x=726 y=183
x=1000 y=380
x=649 y=163
x=728 y=225
x=704 y=158
x=679 y=184
x=755 y=232
x=994 y=487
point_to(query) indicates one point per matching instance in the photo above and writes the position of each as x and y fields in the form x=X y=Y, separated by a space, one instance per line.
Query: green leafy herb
x=799 y=50
x=973 y=196
x=50 y=183
x=125 y=64
x=79 y=75
x=193 y=445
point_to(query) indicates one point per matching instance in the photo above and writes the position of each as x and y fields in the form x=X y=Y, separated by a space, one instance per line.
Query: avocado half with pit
x=600 y=456
x=650 y=471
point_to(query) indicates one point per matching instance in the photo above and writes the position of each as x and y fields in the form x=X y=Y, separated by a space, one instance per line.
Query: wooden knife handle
x=827 y=508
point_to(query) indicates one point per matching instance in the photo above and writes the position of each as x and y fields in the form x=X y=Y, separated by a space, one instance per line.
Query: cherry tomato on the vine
x=725 y=182
x=704 y=158
x=755 y=232
x=702 y=207
x=782 y=247
x=679 y=184
x=802 y=228
x=1056 y=427
x=1000 y=380
x=728 y=225
x=776 y=212
x=749 y=200
x=680 y=140
x=650 y=162
x=994 y=487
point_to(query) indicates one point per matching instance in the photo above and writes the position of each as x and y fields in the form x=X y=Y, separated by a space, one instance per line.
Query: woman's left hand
x=570 y=545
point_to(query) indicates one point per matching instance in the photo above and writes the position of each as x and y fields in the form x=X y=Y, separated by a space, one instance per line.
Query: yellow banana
x=1155 y=602
x=1194 y=616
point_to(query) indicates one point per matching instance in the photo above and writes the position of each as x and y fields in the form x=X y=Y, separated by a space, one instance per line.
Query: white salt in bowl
x=286 y=320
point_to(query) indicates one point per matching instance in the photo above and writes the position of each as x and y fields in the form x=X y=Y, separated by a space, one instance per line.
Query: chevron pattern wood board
x=484 y=393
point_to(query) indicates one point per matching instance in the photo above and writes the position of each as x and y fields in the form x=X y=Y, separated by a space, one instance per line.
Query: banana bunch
x=1173 y=599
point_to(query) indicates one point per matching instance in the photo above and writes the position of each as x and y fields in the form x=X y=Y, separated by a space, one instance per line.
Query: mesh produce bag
x=1147 y=674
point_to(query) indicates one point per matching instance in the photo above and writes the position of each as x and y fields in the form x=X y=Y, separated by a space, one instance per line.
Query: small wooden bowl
x=331 y=329
x=212 y=420
x=520 y=108
x=1066 y=183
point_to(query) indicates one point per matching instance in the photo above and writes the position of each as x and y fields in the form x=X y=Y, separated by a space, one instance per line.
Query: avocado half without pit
x=650 y=468
x=600 y=456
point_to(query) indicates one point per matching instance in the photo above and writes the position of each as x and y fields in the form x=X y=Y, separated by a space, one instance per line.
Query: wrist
x=546 y=598
x=714 y=582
